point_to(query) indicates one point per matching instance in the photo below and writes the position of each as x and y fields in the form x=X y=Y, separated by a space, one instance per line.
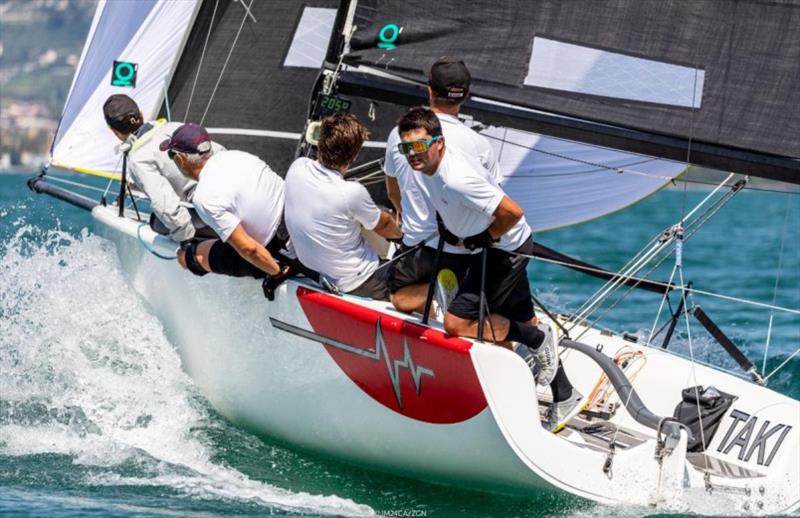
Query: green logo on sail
x=124 y=74
x=388 y=36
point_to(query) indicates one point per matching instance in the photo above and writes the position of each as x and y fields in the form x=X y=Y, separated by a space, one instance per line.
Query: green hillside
x=40 y=43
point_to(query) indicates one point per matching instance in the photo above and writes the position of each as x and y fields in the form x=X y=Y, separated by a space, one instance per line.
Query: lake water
x=97 y=417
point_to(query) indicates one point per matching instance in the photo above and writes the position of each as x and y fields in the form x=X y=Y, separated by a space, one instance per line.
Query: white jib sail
x=148 y=33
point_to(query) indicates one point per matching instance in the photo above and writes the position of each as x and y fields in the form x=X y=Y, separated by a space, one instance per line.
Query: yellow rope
x=87 y=171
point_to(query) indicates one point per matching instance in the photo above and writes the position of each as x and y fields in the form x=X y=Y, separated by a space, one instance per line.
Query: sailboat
x=617 y=101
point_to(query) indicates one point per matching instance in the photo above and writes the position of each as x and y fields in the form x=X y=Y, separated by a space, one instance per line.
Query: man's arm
x=164 y=201
x=393 y=191
x=506 y=215
x=252 y=251
x=387 y=227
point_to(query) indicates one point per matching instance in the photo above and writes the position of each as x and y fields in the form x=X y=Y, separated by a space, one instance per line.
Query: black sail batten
x=741 y=62
x=540 y=250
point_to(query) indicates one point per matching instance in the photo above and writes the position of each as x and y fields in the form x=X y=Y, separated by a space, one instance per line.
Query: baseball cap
x=449 y=78
x=122 y=113
x=189 y=138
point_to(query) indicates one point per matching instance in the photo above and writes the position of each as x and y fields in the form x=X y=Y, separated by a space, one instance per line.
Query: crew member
x=409 y=276
x=325 y=213
x=476 y=214
x=238 y=196
x=151 y=171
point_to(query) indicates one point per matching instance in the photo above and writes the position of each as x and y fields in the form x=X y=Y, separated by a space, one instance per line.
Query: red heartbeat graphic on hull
x=412 y=369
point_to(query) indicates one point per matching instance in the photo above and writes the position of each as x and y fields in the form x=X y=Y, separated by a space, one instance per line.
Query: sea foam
x=86 y=371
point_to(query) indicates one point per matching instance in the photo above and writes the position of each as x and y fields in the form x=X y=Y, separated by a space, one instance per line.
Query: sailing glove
x=449 y=237
x=271 y=282
x=482 y=240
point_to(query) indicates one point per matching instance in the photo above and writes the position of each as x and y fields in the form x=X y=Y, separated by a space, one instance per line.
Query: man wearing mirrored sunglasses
x=238 y=196
x=448 y=88
x=477 y=214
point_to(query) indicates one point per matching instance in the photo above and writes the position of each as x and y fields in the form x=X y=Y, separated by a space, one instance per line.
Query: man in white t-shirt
x=476 y=214
x=240 y=198
x=325 y=213
x=409 y=276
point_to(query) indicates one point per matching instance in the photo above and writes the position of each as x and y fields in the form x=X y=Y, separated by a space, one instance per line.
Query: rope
x=147 y=246
x=202 y=57
x=227 y=59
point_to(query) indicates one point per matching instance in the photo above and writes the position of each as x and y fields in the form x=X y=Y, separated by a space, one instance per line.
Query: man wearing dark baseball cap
x=448 y=88
x=449 y=79
x=150 y=171
x=241 y=199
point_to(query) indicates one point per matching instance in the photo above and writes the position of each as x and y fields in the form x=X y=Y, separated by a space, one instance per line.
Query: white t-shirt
x=324 y=216
x=466 y=196
x=419 y=218
x=239 y=188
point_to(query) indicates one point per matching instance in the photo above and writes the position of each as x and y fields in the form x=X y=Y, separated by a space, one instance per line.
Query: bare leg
x=201 y=253
x=458 y=326
x=410 y=298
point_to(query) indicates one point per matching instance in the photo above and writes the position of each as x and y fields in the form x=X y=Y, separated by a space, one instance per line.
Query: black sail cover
x=648 y=76
x=247 y=73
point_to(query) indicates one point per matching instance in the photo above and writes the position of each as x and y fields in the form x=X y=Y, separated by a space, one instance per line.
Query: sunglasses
x=417 y=146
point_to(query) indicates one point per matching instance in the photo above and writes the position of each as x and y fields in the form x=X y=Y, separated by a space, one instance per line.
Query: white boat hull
x=355 y=380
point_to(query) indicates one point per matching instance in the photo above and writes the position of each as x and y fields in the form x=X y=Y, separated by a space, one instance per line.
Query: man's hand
x=387 y=227
x=252 y=251
x=271 y=282
x=449 y=237
x=482 y=240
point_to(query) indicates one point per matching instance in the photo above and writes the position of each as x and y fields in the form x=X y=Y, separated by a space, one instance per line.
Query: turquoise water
x=97 y=418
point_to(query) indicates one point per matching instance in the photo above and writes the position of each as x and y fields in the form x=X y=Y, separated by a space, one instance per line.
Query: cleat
x=559 y=414
x=546 y=355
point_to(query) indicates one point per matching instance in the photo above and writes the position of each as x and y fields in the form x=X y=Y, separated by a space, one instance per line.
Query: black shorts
x=375 y=286
x=224 y=259
x=416 y=267
x=507 y=290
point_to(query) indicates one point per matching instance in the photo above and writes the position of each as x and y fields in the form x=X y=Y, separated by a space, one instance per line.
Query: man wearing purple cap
x=238 y=196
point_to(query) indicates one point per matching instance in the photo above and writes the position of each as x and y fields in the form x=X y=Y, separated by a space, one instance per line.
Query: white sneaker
x=546 y=355
x=559 y=414
x=527 y=355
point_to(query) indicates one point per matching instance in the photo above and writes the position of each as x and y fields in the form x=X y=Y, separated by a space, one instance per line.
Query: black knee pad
x=191 y=260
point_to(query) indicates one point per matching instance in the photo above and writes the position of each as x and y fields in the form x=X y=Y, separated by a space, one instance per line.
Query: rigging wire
x=691 y=128
x=782 y=365
x=202 y=57
x=227 y=59
x=657 y=247
x=667 y=285
x=599 y=166
x=777 y=282
x=664 y=300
